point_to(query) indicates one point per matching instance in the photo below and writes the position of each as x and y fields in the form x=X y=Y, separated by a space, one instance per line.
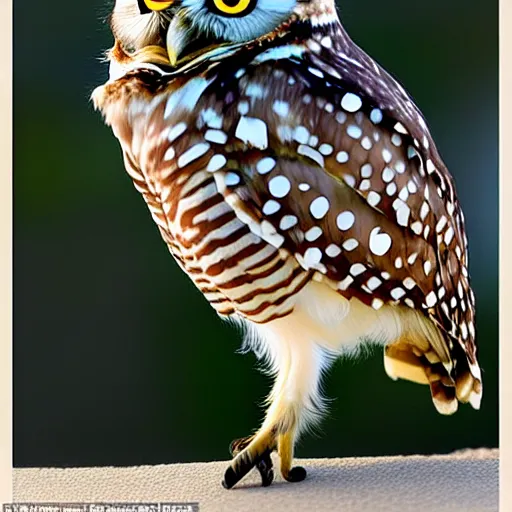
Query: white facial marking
x=380 y=242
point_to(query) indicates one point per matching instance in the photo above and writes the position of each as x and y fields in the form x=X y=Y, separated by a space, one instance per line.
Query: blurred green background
x=118 y=360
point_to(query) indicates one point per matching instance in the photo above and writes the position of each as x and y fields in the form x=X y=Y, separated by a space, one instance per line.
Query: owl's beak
x=179 y=35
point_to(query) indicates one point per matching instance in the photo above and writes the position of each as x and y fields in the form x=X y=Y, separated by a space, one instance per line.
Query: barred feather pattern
x=298 y=186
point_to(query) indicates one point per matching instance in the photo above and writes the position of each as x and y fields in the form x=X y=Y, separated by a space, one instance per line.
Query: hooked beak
x=179 y=35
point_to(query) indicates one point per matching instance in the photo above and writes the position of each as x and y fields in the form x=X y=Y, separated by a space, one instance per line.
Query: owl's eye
x=146 y=6
x=233 y=7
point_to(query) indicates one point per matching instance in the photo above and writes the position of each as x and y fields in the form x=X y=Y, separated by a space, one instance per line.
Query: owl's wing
x=356 y=191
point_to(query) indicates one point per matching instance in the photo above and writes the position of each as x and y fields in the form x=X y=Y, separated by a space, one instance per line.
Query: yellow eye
x=232 y=7
x=157 y=5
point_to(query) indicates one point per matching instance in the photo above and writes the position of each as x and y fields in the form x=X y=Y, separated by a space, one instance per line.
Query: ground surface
x=464 y=481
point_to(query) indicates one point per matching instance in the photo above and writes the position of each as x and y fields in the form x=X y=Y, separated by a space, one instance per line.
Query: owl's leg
x=294 y=403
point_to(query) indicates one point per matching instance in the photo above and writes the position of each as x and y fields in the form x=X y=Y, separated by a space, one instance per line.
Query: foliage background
x=118 y=360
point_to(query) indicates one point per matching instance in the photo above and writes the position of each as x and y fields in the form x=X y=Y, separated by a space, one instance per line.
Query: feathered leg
x=295 y=403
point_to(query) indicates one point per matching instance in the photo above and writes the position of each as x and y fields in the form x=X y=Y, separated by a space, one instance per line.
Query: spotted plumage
x=297 y=184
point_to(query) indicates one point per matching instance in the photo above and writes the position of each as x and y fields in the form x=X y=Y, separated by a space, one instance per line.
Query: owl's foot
x=249 y=452
x=264 y=466
x=285 y=449
x=254 y=451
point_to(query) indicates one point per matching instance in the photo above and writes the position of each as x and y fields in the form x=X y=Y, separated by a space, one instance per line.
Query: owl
x=298 y=186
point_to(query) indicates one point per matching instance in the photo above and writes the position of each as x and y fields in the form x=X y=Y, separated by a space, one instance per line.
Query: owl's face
x=184 y=26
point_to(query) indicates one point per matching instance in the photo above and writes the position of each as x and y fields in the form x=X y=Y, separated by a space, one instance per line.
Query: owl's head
x=182 y=27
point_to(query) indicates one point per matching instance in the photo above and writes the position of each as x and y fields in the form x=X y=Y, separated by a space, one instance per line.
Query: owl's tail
x=424 y=355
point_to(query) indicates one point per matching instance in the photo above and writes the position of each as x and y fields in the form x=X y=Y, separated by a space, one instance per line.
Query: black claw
x=264 y=466
x=230 y=478
x=296 y=474
x=268 y=478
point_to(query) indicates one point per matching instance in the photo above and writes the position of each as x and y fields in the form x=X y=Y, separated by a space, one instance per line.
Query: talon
x=296 y=474
x=230 y=479
x=264 y=465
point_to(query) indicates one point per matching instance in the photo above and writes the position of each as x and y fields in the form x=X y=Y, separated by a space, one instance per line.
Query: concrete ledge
x=463 y=481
